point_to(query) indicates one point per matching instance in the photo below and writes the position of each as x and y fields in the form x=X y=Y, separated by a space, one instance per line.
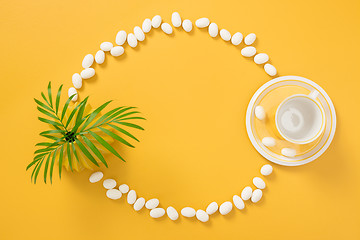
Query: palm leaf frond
x=75 y=131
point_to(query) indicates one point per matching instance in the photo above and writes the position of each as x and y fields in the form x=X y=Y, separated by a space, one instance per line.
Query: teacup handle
x=314 y=94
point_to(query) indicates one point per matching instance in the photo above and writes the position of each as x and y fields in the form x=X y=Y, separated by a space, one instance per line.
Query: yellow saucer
x=269 y=96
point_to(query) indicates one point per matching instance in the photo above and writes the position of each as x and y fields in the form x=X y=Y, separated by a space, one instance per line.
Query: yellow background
x=194 y=91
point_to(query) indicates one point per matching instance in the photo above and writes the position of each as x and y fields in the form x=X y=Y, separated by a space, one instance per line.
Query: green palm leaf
x=106 y=144
x=61 y=138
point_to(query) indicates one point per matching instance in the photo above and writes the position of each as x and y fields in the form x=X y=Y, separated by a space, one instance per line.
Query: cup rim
x=313 y=138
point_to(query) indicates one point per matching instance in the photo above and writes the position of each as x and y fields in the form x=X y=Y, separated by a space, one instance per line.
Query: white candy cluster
x=202 y=215
x=138 y=35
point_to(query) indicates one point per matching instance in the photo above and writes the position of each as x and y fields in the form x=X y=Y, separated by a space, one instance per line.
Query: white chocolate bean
x=157 y=212
x=270 y=69
x=176 y=19
x=250 y=39
x=213 y=29
x=288 y=152
x=156 y=21
x=236 y=38
x=172 y=213
x=88 y=61
x=87 y=73
x=268 y=141
x=124 y=188
x=131 y=197
x=139 y=204
x=260 y=112
x=202 y=22
x=266 y=170
x=96 y=177
x=188 y=212
x=117 y=51
x=259 y=183
x=77 y=80
x=106 y=46
x=100 y=57
x=152 y=203
x=246 y=193
x=261 y=58
x=113 y=194
x=166 y=28
x=225 y=208
x=202 y=216
x=238 y=202
x=109 y=183
x=187 y=25
x=212 y=208
x=139 y=34
x=256 y=196
x=248 y=51
x=120 y=37
x=225 y=35
x=132 y=41
x=146 y=26
x=71 y=92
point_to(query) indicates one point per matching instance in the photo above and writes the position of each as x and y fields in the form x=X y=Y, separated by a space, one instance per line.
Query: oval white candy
x=87 y=73
x=131 y=197
x=225 y=208
x=152 y=203
x=260 y=112
x=202 y=216
x=100 y=57
x=202 y=22
x=77 y=80
x=88 y=61
x=246 y=193
x=131 y=39
x=225 y=35
x=109 y=183
x=259 y=183
x=71 y=92
x=261 y=58
x=106 y=46
x=212 y=208
x=238 y=202
x=113 y=194
x=188 y=212
x=270 y=69
x=187 y=25
x=120 y=37
x=266 y=170
x=176 y=19
x=236 y=38
x=256 y=196
x=139 y=204
x=124 y=188
x=268 y=141
x=139 y=34
x=213 y=29
x=250 y=39
x=288 y=152
x=172 y=213
x=248 y=51
x=166 y=28
x=117 y=51
x=157 y=212
x=95 y=177
x=156 y=21
x=146 y=26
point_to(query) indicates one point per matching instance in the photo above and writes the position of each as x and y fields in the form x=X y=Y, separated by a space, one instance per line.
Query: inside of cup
x=300 y=119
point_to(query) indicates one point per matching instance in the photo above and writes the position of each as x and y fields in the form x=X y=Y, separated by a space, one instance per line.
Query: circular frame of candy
x=132 y=40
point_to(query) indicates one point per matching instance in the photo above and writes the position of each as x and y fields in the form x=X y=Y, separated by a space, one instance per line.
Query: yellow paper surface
x=194 y=91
